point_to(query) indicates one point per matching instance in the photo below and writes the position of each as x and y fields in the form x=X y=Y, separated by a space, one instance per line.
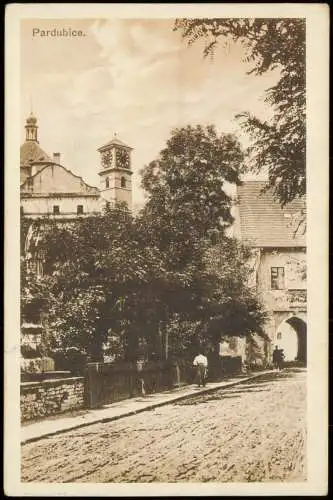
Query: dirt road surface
x=255 y=431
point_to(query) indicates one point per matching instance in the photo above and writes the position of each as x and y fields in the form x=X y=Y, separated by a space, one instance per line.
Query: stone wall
x=51 y=397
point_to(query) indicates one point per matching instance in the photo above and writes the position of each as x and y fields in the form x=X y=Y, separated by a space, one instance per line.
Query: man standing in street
x=201 y=363
x=278 y=357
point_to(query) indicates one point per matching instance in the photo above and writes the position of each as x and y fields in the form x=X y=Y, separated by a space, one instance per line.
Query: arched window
x=123 y=182
x=107 y=183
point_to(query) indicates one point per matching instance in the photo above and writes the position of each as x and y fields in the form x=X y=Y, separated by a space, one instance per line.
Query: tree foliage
x=98 y=277
x=280 y=143
x=187 y=213
x=157 y=276
x=234 y=306
x=186 y=187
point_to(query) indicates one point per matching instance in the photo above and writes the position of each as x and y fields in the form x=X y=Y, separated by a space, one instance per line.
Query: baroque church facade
x=49 y=189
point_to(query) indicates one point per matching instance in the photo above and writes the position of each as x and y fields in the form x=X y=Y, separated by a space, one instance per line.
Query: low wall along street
x=50 y=397
x=106 y=383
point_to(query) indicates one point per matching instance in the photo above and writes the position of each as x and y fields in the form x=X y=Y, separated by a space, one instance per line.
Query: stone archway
x=300 y=327
x=291 y=337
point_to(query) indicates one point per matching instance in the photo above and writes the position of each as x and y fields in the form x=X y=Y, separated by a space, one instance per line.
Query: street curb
x=129 y=413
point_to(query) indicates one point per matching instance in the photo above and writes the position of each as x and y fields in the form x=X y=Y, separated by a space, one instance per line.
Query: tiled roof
x=30 y=152
x=263 y=223
x=114 y=142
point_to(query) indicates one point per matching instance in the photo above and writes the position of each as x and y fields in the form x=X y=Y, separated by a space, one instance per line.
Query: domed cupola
x=31 y=128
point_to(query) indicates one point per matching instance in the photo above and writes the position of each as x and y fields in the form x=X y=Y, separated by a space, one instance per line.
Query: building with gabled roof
x=262 y=221
x=49 y=189
x=53 y=190
x=277 y=237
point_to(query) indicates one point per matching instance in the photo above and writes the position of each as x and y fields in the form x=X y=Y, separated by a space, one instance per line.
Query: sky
x=136 y=78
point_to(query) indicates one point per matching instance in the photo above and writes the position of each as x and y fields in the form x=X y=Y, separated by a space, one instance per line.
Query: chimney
x=56 y=158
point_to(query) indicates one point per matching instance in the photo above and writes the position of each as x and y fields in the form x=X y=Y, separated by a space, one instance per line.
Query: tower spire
x=31 y=128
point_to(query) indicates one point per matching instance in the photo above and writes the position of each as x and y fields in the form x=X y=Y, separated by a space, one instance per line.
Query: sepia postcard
x=166 y=249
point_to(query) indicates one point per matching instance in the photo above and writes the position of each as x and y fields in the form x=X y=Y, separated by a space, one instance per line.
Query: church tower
x=115 y=172
x=32 y=157
x=31 y=128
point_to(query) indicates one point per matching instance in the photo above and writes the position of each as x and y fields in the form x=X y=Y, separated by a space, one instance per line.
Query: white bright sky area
x=137 y=78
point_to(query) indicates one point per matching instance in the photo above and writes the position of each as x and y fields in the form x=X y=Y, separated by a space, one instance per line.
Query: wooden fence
x=107 y=383
x=110 y=382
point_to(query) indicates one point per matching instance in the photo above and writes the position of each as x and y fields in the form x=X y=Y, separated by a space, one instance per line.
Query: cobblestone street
x=255 y=431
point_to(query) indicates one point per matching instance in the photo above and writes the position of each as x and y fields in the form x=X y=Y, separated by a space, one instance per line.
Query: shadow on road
x=262 y=383
x=273 y=376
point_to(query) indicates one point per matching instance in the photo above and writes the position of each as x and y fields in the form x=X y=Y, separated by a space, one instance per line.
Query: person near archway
x=278 y=358
x=281 y=359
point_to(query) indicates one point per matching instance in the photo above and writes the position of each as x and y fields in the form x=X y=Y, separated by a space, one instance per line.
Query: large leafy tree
x=279 y=143
x=98 y=278
x=186 y=216
x=153 y=277
x=234 y=305
x=186 y=187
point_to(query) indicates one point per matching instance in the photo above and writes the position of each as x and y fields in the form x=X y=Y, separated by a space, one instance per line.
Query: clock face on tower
x=106 y=159
x=122 y=159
